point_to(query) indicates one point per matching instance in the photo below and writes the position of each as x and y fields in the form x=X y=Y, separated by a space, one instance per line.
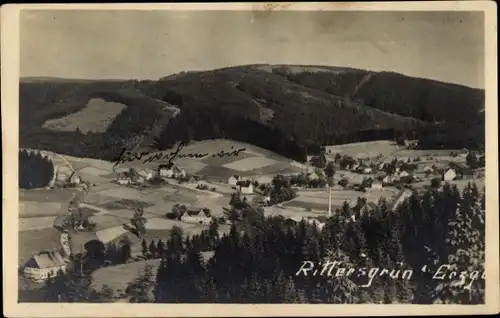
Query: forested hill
x=288 y=109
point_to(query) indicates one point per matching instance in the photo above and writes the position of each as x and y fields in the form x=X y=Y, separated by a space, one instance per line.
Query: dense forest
x=35 y=171
x=300 y=110
x=395 y=257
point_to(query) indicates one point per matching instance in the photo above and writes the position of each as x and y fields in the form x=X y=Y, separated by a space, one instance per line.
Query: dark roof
x=165 y=166
x=245 y=183
x=46 y=259
x=322 y=218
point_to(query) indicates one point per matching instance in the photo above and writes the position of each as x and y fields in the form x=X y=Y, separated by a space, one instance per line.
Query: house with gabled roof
x=245 y=186
x=123 y=178
x=45 y=264
x=450 y=175
x=233 y=180
x=197 y=215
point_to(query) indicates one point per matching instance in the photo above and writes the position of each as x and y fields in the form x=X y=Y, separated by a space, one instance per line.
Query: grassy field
x=364 y=149
x=117 y=277
x=36 y=223
x=31 y=209
x=35 y=241
x=84 y=119
x=42 y=195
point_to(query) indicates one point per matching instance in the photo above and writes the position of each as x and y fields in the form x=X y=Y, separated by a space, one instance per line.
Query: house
x=63 y=173
x=233 y=180
x=245 y=187
x=123 y=178
x=165 y=171
x=196 y=215
x=172 y=172
x=428 y=169
x=309 y=220
x=316 y=222
x=376 y=185
x=74 y=178
x=313 y=176
x=178 y=172
x=367 y=170
x=381 y=166
x=467 y=173
x=44 y=264
x=135 y=177
x=147 y=174
x=389 y=179
x=404 y=174
x=450 y=175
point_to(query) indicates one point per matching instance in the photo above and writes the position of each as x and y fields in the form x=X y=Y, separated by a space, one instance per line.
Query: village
x=168 y=196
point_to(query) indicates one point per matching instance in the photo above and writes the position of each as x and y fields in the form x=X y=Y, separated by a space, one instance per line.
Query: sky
x=119 y=44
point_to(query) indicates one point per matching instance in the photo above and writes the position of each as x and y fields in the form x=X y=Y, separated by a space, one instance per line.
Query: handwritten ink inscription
x=146 y=157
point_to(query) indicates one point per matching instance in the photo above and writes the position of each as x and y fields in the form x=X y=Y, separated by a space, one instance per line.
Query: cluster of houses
x=138 y=177
x=197 y=215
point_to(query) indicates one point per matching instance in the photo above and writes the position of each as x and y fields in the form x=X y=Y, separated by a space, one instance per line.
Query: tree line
x=35 y=171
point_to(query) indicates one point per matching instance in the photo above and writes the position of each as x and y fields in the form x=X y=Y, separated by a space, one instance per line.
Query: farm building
x=450 y=175
x=123 y=178
x=147 y=174
x=245 y=187
x=164 y=170
x=428 y=169
x=196 y=215
x=74 y=178
x=313 y=176
x=43 y=265
x=63 y=173
x=172 y=172
x=367 y=170
x=376 y=185
x=309 y=220
x=389 y=179
x=233 y=180
x=381 y=166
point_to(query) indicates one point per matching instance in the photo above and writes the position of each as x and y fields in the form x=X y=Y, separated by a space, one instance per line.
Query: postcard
x=250 y=159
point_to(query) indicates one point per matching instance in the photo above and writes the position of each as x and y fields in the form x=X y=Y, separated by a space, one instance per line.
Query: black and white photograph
x=255 y=154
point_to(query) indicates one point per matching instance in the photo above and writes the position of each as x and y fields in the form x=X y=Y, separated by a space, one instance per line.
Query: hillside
x=289 y=109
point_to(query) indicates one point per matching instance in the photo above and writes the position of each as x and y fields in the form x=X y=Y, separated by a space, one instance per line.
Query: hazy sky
x=446 y=46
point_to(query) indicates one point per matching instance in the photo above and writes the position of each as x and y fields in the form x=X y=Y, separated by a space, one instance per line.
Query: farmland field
x=364 y=149
x=85 y=118
x=250 y=163
x=122 y=192
x=42 y=195
x=117 y=277
x=125 y=204
x=35 y=241
x=30 y=209
x=36 y=223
